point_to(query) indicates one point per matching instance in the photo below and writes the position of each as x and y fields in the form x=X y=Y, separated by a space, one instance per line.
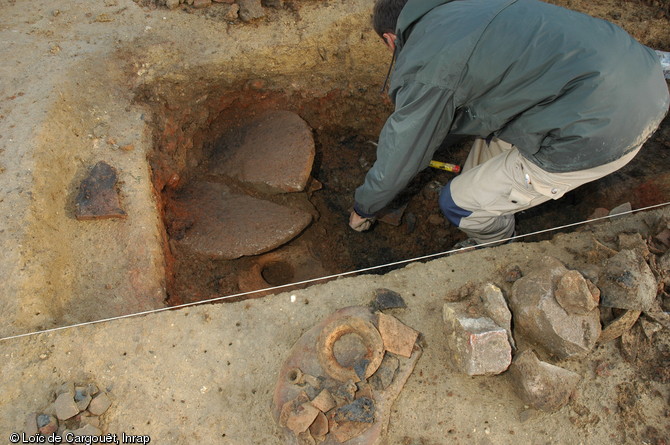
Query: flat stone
x=627 y=282
x=541 y=385
x=65 y=406
x=228 y=225
x=398 y=338
x=495 y=306
x=251 y=10
x=574 y=294
x=275 y=151
x=477 y=346
x=619 y=326
x=100 y=403
x=82 y=398
x=633 y=241
x=98 y=197
x=539 y=316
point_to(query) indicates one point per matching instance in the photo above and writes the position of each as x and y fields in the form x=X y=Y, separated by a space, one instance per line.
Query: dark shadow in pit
x=344 y=153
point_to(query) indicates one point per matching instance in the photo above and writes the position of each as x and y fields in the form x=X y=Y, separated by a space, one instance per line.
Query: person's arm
x=420 y=122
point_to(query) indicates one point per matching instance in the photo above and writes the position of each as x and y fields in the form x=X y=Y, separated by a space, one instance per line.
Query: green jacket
x=570 y=91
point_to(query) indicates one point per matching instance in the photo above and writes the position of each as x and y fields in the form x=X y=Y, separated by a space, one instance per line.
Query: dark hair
x=385 y=15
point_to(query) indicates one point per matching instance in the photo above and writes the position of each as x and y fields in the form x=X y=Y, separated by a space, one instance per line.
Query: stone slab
x=276 y=150
x=228 y=225
x=542 y=385
x=477 y=346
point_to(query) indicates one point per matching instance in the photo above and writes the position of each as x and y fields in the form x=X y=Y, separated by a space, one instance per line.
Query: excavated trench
x=229 y=229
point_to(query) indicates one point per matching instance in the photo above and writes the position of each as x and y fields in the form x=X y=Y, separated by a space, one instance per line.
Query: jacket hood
x=413 y=11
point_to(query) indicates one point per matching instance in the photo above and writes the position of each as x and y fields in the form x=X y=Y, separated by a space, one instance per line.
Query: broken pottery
x=317 y=398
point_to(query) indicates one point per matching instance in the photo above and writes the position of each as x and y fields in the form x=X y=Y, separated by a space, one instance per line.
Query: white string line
x=329 y=277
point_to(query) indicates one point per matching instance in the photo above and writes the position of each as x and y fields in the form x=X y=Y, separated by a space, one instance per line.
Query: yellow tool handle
x=445 y=166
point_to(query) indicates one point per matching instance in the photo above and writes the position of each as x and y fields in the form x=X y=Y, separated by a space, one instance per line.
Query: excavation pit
x=344 y=128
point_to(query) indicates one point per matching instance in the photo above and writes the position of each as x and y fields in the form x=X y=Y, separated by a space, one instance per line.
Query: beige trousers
x=497 y=181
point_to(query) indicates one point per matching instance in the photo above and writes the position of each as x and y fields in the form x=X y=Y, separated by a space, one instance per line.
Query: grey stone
x=228 y=225
x=100 y=403
x=251 y=10
x=575 y=295
x=477 y=346
x=274 y=151
x=172 y=4
x=633 y=241
x=627 y=282
x=542 y=385
x=622 y=208
x=538 y=315
x=495 y=306
x=65 y=406
x=81 y=397
x=47 y=424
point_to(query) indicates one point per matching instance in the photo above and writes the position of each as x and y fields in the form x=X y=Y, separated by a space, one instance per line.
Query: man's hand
x=359 y=223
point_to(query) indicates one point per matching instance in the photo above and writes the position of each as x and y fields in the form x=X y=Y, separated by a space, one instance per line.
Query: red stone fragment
x=98 y=197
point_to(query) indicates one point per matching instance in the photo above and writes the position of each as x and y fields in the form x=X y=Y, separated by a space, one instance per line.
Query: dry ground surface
x=81 y=79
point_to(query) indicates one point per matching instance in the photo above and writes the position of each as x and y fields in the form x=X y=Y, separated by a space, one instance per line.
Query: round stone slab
x=276 y=150
x=228 y=225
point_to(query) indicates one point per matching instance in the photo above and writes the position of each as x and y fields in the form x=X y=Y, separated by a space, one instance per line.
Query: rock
x=100 y=403
x=622 y=208
x=387 y=299
x=619 y=326
x=172 y=4
x=627 y=282
x=98 y=197
x=392 y=216
x=386 y=372
x=649 y=327
x=541 y=385
x=633 y=241
x=575 y=295
x=228 y=225
x=541 y=318
x=199 y=4
x=65 y=406
x=233 y=12
x=495 y=306
x=600 y=212
x=274 y=151
x=398 y=338
x=82 y=398
x=251 y=10
x=46 y=424
x=477 y=345
x=88 y=419
x=435 y=219
x=512 y=274
x=92 y=389
x=301 y=417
